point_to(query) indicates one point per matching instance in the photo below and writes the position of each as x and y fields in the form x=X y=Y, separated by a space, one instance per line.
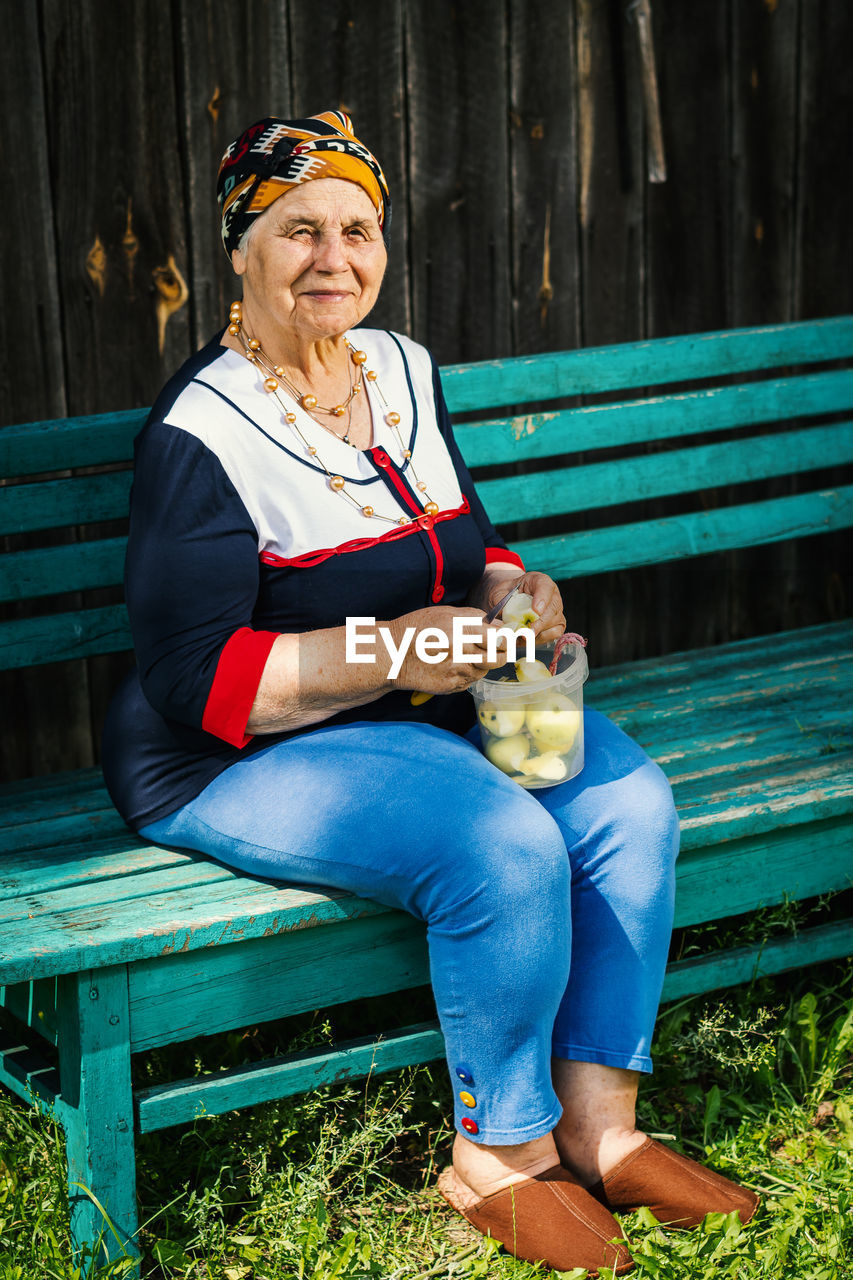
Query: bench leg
x=97 y=1111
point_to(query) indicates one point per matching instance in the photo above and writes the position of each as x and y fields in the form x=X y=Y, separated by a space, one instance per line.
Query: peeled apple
x=529 y=670
x=501 y=721
x=519 y=612
x=553 y=722
x=509 y=753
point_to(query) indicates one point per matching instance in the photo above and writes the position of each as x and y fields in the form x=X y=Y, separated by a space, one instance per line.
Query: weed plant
x=757 y=1081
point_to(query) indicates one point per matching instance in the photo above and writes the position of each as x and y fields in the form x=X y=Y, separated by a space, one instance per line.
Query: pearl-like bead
x=371 y=375
x=339 y=410
x=311 y=449
x=367 y=511
x=358 y=357
x=336 y=482
x=403 y=520
x=270 y=384
x=279 y=372
x=254 y=345
x=309 y=402
x=407 y=453
x=233 y=329
x=422 y=486
x=431 y=508
x=290 y=417
x=393 y=419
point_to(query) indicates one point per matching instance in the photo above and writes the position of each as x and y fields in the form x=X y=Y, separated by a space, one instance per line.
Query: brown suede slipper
x=678 y=1191
x=550 y=1218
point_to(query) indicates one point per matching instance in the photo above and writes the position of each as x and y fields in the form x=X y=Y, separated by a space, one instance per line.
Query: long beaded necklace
x=273 y=385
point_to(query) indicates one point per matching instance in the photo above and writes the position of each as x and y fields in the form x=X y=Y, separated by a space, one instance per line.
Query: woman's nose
x=330 y=254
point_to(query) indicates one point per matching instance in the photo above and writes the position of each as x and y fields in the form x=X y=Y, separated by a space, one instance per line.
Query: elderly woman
x=301 y=470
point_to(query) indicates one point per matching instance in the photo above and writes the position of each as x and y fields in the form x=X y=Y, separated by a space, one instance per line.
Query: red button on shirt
x=469 y=1125
x=438 y=594
x=381 y=458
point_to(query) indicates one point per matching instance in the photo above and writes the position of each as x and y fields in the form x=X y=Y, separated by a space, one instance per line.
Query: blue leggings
x=548 y=912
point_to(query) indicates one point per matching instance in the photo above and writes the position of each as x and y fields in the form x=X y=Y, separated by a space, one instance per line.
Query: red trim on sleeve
x=238 y=674
x=495 y=555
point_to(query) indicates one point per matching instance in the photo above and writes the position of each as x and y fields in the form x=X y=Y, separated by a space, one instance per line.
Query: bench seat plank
x=43 y=873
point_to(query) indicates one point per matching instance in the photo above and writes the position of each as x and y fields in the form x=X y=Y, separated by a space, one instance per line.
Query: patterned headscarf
x=274 y=155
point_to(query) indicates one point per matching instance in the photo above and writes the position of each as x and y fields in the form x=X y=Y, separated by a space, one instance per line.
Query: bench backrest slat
x=30 y=642
x=627 y=546
x=53 y=504
x=591 y=370
x=74 y=566
x=632 y=422
x=657 y=475
x=31 y=448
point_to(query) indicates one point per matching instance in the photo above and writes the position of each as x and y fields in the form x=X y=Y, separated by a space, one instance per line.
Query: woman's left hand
x=547 y=601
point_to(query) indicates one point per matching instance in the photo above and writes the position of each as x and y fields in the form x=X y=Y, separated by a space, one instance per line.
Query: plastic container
x=533 y=731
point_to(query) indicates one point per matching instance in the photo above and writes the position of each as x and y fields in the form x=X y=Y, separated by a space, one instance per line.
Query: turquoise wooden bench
x=110 y=946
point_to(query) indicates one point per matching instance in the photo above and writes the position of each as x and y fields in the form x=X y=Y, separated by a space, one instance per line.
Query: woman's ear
x=238 y=262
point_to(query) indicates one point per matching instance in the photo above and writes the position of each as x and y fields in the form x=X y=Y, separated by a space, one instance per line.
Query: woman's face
x=314 y=262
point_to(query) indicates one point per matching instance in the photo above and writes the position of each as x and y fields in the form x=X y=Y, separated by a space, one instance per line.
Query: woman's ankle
x=592 y=1155
x=481 y=1170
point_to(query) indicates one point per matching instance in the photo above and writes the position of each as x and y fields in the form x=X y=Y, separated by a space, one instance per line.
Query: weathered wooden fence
x=518 y=140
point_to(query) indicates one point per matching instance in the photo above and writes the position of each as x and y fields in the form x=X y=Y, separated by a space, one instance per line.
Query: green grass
x=757 y=1081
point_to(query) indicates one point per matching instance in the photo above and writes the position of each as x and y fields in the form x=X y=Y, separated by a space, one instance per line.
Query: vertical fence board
x=234 y=63
x=357 y=66
x=764 y=139
x=688 y=214
x=32 y=382
x=546 y=276
x=118 y=196
x=120 y=210
x=612 y=177
x=31 y=319
x=825 y=173
x=459 y=210
x=822 y=274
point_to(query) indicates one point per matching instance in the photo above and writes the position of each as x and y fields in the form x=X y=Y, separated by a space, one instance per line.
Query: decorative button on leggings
x=548 y=912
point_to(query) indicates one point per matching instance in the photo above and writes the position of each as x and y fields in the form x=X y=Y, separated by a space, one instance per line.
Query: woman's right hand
x=444 y=676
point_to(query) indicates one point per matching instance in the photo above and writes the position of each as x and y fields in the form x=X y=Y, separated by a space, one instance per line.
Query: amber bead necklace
x=276 y=378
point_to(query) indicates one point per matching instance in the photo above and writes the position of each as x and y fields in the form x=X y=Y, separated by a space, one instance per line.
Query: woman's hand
x=446 y=675
x=547 y=601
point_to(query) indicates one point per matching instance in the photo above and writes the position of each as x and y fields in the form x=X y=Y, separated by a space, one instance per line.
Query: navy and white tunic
x=236 y=537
